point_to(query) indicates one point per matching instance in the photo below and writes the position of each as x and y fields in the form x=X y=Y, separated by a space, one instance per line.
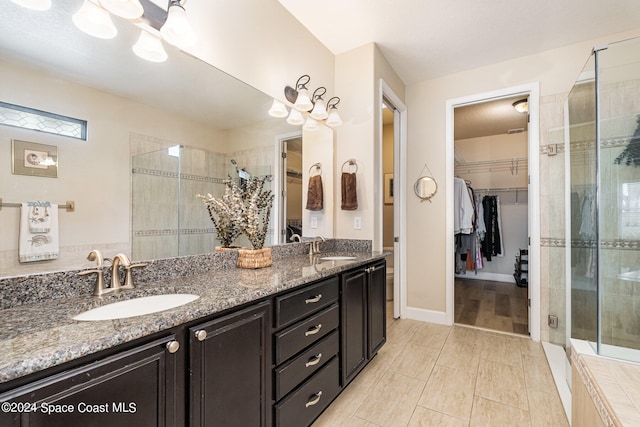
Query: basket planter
x=227 y=248
x=254 y=258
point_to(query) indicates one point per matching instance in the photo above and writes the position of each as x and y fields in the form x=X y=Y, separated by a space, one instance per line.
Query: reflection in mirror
x=425 y=188
x=132 y=193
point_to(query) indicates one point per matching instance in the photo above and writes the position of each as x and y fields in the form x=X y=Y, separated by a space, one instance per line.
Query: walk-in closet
x=491 y=215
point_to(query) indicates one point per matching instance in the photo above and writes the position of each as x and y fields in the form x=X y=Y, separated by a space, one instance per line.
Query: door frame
x=399 y=191
x=532 y=90
x=279 y=180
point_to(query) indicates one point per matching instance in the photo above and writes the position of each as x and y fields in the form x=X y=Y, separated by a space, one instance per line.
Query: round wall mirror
x=425 y=188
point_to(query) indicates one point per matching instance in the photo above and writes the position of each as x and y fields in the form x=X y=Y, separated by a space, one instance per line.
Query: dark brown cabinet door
x=377 y=304
x=354 y=323
x=230 y=363
x=137 y=387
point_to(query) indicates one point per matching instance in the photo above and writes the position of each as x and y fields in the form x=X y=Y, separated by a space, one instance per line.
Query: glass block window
x=43 y=121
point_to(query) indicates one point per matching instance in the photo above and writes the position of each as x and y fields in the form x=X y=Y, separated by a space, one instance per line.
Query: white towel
x=38 y=246
x=39 y=217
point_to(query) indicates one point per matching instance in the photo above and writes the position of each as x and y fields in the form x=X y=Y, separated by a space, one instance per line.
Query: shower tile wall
x=169 y=221
x=552 y=218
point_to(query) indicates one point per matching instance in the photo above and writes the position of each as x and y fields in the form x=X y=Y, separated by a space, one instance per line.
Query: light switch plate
x=357 y=223
x=313 y=222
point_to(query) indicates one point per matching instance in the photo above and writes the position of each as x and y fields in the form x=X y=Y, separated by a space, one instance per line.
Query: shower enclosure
x=168 y=219
x=603 y=139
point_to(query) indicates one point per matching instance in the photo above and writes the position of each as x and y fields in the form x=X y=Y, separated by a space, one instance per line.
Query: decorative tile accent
x=553 y=242
x=188 y=177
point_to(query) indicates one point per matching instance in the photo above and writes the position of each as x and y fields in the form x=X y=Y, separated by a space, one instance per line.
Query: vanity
x=272 y=346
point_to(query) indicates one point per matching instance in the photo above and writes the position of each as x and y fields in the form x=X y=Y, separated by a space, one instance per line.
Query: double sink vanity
x=198 y=342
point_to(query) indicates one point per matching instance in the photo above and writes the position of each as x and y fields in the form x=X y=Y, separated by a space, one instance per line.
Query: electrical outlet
x=357 y=223
x=314 y=222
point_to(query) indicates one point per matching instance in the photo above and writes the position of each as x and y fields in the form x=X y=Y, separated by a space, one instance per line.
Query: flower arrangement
x=224 y=213
x=631 y=154
x=243 y=210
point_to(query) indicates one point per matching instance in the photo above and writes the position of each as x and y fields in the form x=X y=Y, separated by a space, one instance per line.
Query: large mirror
x=158 y=134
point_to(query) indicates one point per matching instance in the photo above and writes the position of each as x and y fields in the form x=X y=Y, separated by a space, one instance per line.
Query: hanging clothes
x=492 y=242
x=463 y=208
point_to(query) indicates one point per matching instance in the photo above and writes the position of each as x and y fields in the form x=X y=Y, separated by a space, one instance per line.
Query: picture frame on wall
x=31 y=158
x=388 y=188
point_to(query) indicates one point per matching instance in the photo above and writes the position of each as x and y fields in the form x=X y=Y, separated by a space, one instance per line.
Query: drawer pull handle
x=313 y=299
x=313 y=330
x=314 y=399
x=314 y=360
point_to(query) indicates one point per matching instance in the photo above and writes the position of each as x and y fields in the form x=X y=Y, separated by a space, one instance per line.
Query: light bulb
x=310 y=125
x=295 y=117
x=176 y=29
x=303 y=102
x=95 y=21
x=278 y=109
x=334 y=118
x=319 y=111
x=149 y=47
x=128 y=9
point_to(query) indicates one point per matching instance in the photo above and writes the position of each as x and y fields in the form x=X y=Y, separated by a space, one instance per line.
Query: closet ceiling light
x=128 y=9
x=176 y=29
x=521 y=106
x=95 y=21
x=34 y=4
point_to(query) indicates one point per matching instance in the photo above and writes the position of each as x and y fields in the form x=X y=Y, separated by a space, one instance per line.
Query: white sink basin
x=337 y=258
x=136 y=307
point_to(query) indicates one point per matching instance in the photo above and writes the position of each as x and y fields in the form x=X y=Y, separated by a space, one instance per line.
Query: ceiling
x=427 y=39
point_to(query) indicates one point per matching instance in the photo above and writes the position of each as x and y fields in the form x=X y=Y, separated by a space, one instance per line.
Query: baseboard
x=483 y=275
x=431 y=316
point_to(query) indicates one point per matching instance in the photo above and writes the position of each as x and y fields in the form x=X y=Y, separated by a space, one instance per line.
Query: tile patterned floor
x=493 y=305
x=435 y=375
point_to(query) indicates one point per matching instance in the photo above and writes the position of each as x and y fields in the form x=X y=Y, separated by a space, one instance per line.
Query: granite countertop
x=41 y=335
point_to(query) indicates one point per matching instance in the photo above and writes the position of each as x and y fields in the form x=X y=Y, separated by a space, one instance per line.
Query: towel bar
x=70 y=205
x=318 y=166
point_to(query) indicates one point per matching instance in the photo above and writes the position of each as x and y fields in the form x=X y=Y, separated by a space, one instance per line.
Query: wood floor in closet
x=499 y=306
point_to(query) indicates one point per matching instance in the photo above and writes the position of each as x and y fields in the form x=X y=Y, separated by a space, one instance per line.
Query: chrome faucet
x=295 y=238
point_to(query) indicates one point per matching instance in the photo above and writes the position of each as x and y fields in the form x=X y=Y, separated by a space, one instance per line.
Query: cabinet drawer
x=288 y=376
x=305 y=404
x=298 y=304
x=301 y=335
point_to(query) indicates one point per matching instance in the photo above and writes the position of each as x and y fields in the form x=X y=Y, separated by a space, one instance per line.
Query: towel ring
x=318 y=167
x=350 y=162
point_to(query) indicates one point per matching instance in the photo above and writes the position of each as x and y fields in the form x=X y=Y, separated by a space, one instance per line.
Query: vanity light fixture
x=127 y=9
x=314 y=106
x=521 y=106
x=295 y=117
x=95 y=21
x=334 y=119
x=310 y=125
x=149 y=46
x=176 y=29
x=319 y=111
x=34 y=4
x=278 y=109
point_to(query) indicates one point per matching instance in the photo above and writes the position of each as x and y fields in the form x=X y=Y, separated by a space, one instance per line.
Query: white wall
x=315 y=150
x=260 y=43
x=556 y=70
